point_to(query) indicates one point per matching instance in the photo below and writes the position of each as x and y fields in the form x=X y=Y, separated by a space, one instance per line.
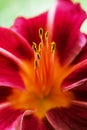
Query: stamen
x=38 y=55
x=43 y=56
x=35 y=64
x=53 y=47
x=34 y=46
x=46 y=35
x=40 y=47
x=40 y=33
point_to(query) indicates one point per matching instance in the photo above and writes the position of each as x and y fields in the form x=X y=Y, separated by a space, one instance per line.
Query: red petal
x=82 y=55
x=15 y=44
x=8 y=71
x=47 y=124
x=4 y=93
x=80 y=92
x=66 y=25
x=29 y=28
x=31 y=122
x=72 y=118
x=7 y=117
x=77 y=77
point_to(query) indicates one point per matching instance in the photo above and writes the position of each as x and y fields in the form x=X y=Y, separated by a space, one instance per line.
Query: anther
x=40 y=33
x=38 y=55
x=53 y=47
x=46 y=35
x=34 y=46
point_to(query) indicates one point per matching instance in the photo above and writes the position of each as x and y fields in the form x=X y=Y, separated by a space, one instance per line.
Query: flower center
x=42 y=78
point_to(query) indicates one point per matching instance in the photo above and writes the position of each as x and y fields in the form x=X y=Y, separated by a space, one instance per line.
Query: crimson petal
x=80 y=92
x=72 y=118
x=29 y=28
x=8 y=71
x=7 y=117
x=15 y=44
x=29 y=121
x=77 y=77
x=81 y=56
x=4 y=93
x=47 y=124
x=66 y=30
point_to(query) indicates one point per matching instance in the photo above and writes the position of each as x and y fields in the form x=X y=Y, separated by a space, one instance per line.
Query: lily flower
x=43 y=71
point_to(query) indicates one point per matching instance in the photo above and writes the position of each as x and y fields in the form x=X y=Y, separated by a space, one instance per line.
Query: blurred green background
x=10 y=9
